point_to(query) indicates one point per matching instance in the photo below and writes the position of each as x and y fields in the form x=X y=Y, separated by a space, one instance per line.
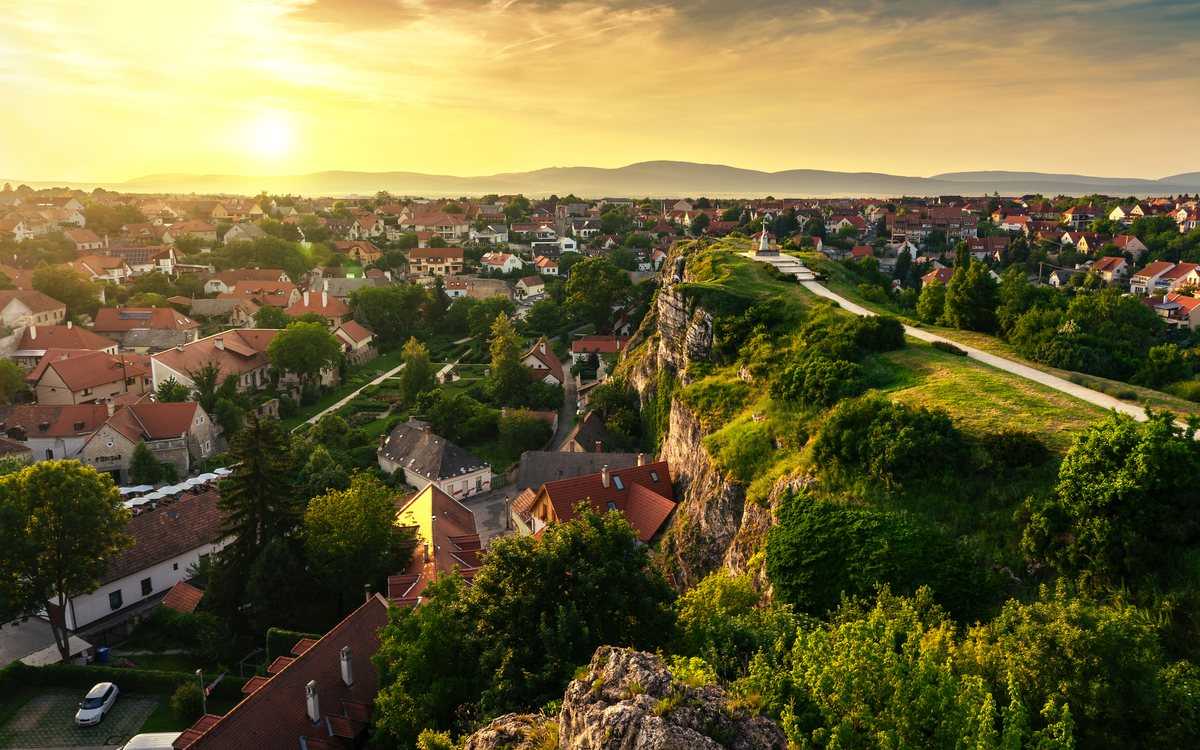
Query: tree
x=171 y=391
x=596 y=286
x=352 y=538
x=482 y=316
x=155 y=282
x=1165 y=364
x=437 y=305
x=437 y=240
x=543 y=315
x=256 y=498
x=699 y=224
x=271 y=317
x=391 y=312
x=972 y=297
x=310 y=225
x=903 y=264
x=278 y=588
x=522 y=431
x=67 y=286
x=932 y=303
x=418 y=372
x=815 y=227
x=147 y=300
x=12 y=380
x=622 y=258
x=305 y=349
x=206 y=381
x=509 y=376
x=63 y=523
x=144 y=467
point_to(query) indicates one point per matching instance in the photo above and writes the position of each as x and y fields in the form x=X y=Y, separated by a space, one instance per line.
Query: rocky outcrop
x=516 y=732
x=685 y=332
x=629 y=700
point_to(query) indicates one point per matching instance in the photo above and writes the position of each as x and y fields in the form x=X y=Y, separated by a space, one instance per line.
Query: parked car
x=96 y=704
x=152 y=741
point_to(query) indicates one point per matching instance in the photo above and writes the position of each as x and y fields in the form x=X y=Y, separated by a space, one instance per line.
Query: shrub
x=1124 y=394
x=280 y=642
x=1189 y=390
x=1016 y=448
x=821 y=382
x=431 y=740
x=288 y=407
x=948 y=348
x=310 y=395
x=187 y=702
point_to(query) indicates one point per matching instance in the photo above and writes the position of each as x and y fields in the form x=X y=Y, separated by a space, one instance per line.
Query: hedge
x=129 y=680
x=280 y=642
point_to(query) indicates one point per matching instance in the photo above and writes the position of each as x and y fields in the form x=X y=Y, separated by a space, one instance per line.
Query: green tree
x=62 y=524
x=509 y=375
x=437 y=240
x=67 y=286
x=418 y=373
x=932 y=303
x=305 y=349
x=391 y=312
x=144 y=467
x=543 y=315
x=278 y=588
x=972 y=297
x=311 y=227
x=521 y=431
x=1164 y=364
x=271 y=317
x=699 y=224
x=155 y=282
x=256 y=498
x=482 y=316
x=622 y=258
x=12 y=380
x=596 y=286
x=206 y=381
x=815 y=227
x=352 y=537
x=171 y=391
x=820 y=381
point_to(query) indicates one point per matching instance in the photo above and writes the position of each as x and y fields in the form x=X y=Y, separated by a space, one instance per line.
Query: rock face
x=629 y=700
x=515 y=732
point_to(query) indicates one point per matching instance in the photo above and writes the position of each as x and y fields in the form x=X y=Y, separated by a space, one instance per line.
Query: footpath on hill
x=1000 y=363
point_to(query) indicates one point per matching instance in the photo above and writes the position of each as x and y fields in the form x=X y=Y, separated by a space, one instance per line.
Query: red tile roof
x=321 y=303
x=279 y=664
x=244 y=350
x=191 y=523
x=183 y=597
x=34 y=300
x=355 y=331
x=602 y=344
x=81 y=368
x=649 y=505
x=542 y=352
x=303 y=645
x=122 y=319
x=38 y=338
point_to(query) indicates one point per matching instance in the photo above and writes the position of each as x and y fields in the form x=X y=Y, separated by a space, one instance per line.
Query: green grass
x=163 y=719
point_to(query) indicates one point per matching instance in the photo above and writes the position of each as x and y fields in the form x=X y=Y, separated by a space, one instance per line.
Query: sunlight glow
x=272 y=136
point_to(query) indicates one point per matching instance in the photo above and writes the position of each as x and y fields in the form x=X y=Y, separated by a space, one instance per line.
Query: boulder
x=515 y=732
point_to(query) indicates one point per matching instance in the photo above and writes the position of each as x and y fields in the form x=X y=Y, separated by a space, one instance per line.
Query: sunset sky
x=112 y=90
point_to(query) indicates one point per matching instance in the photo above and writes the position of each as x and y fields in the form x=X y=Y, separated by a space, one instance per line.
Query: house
x=237 y=352
x=985 y=248
x=859 y=252
x=503 y=262
x=1130 y=244
x=225 y=281
x=451 y=227
x=26 y=308
x=322 y=304
x=1180 y=311
x=176 y=433
x=643 y=493
x=155 y=340
x=938 y=276
x=183 y=597
x=358 y=251
x=17 y=230
x=1188 y=219
x=104 y=268
x=85 y=240
x=114 y=322
x=545 y=266
x=276 y=293
x=594 y=343
x=1060 y=278
x=493 y=234
x=136 y=256
x=567 y=245
x=76 y=376
x=1015 y=223
x=37 y=339
x=539 y=467
x=355 y=338
x=435 y=261
x=1183 y=274
x=428 y=459
x=342 y=288
x=52 y=431
x=446 y=537
x=456 y=288
x=545 y=363
x=1078 y=217
x=531 y=286
x=1143 y=282
x=319 y=698
x=1110 y=268
x=366 y=225
x=240 y=311
x=244 y=211
x=589 y=436
x=244 y=232
x=166 y=542
x=194 y=228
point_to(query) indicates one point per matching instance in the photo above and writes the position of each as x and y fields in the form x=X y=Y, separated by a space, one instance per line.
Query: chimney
x=306 y=299
x=426 y=551
x=324 y=299
x=33 y=331
x=219 y=343
x=604 y=475
x=314 y=707
x=68 y=325
x=542 y=345
x=428 y=432
x=111 y=409
x=598 y=448
x=63 y=356
x=347 y=667
x=367 y=593
x=382 y=441
x=641 y=459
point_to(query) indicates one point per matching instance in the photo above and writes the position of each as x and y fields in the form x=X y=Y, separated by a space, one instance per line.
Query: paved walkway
x=349 y=398
x=1000 y=363
x=567 y=414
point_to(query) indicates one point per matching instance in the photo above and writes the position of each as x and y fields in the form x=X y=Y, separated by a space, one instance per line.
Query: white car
x=96 y=704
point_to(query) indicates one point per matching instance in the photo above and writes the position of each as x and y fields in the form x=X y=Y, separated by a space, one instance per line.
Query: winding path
x=1000 y=363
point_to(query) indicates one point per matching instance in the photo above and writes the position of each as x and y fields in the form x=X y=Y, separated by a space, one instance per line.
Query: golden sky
x=110 y=90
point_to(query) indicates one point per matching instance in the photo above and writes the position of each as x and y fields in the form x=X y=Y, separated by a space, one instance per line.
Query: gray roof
x=213 y=306
x=539 y=467
x=156 y=338
x=247 y=229
x=342 y=287
x=589 y=431
x=428 y=455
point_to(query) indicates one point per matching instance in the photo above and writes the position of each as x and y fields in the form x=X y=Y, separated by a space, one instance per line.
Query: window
x=617 y=481
x=49 y=454
x=478 y=483
x=114 y=599
x=612 y=505
x=146 y=587
x=207 y=445
x=176 y=567
x=653 y=476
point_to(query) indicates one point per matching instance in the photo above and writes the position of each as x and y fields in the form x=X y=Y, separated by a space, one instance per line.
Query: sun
x=272 y=135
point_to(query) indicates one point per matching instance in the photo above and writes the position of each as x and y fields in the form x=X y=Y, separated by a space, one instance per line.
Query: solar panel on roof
x=133 y=315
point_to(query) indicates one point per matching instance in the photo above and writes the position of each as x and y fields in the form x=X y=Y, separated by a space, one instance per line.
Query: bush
x=165 y=628
x=369 y=391
x=187 y=703
x=130 y=681
x=948 y=348
x=821 y=382
x=1124 y=394
x=1189 y=390
x=364 y=405
x=1016 y=448
x=310 y=395
x=281 y=642
x=288 y=407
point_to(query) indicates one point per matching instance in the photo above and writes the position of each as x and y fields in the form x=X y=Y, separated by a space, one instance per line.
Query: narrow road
x=1000 y=363
x=567 y=414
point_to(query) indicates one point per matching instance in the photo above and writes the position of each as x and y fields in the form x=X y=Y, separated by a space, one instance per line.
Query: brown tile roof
x=34 y=300
x=274 y=716
x=81 y=369
x=154 y=420
x=649 y=512
x=245 y=350
x=355 y=331
x=167 y=532
x=122 y=319
x=321 y=303
x=255 y=683
x=12 y=447
x=542 y=352
x=277 y=293
x=303 y=645
x=601 y=344
x=183 y=597
x=231 y=278
x=446 y=529
x=82 y=236
x=279 y=664
x=63 y=420
x=37 y=338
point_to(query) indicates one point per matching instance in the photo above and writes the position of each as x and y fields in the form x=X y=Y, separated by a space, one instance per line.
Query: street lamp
x=203 y=695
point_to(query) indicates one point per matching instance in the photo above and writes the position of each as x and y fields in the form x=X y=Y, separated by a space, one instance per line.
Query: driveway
x=48 y=721
x=1000 y=363
x=19 y=639
x=490 y=510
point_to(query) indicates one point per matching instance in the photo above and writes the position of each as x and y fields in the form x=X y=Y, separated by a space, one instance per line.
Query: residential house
x=166 y=542
x=355 y=339
x=236 y=352
x=174 y=432
x=1179 y=311
x=321 y=303
x=52 y=432
x=225 y=281
x=86 y=241
x=986 y=248
x=137 y=257
x=115 y=322
x=1188 y=219
x=15 y=229
x=456 y=288
x=642 y=493
x=1078 y=217
x=358 y=251
x=446 y=538
x=597 y=344
x=244 y=211
x=76 y=376
x=1060 y=278
x=24 y=308
x=275 y=293
x=65 y=218
x=1144 y=281
x=194 y=228
x=860 y=252
x=493 y=234
x=244 y=232
x=36 y=340
x=1174 y=279
x=503 y=262
x=1015 y=223
x=319 y=698
x=1110 y=268
x=452 y=227
x=589 y=435
x=1123 y=214
x=426 y=458
x=366 y=225
x=240 y=311
x=545 y=266
x=938 y=276
x=545 y=363
x=1129 y=244
x=435 y=261
x=531 y=286
x=142 y=233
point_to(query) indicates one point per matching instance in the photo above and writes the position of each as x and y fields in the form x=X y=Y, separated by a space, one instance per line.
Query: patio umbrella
x=143 y=488
x=173 y=489
x=208 y=477
x=135 y=502
x=196 y=481
x=153 y=496
x=223 y=471
x=125 y=490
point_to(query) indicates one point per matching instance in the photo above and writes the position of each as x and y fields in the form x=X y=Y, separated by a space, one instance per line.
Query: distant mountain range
x=657 y=179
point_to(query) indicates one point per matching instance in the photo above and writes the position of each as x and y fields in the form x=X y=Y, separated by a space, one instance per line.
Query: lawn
x=163 y=719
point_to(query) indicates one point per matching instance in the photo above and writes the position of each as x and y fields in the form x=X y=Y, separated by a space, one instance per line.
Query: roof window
x=653 y=476
x=617 y=481
x=612 y=505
